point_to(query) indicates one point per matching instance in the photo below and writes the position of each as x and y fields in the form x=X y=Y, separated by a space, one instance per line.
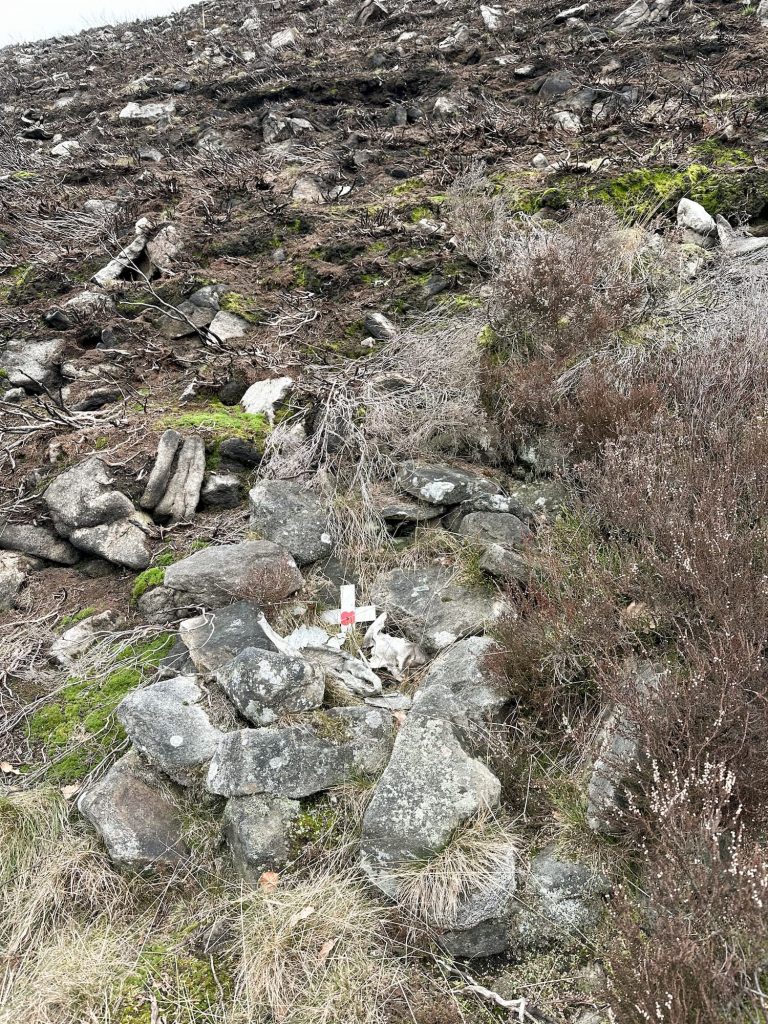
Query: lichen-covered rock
x=430 y=786
x=432 y=609
x=481 y=927
x=442 y=485
x=136 y=815
x=214 y=638
x=265 y=684
x=14 y=570
x=254 y=570
x=169 y=725
x=38 y=542
x=32 y=365
x=462 y=686
x=85 y=496
x=485 y=528
x=257 y=830
x=125 y=542
x=326 y=750
x=182 y=492
x=287 y=513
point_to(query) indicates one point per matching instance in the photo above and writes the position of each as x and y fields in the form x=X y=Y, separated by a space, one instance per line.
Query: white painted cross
x=348 y=615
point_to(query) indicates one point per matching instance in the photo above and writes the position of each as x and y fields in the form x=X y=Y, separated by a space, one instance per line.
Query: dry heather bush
x=469 y=865
x=315 y=951
x=478 y=218
x=692 y=948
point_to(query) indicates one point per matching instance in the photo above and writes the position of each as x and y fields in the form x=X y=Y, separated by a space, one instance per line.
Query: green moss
x=408 y=186
x=222 y=421
x=420 y=213
x=169 y=985
x=78 y=729
x=329 y=727
x=153 y=577
x=718 y=155
x=234 y=302
x=67 y=621
x=22 y=175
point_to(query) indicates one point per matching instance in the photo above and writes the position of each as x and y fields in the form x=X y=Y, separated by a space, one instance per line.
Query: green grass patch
x=222 y=421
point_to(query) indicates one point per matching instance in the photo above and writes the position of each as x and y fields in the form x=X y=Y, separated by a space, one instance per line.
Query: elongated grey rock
x=183 y=492
x=167 y=448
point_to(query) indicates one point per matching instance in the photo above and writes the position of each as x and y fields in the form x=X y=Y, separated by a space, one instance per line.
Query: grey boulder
x=481 y=926
x=125 y=542
x=214 y=638
x=254 y=570
x=430 y=786
x=485 y=528
x=169 y=726
x=32 y=365
x=221 y=490
x=463 y=687
x=257 y=830
x=14 y=570
x=263 y=685
x=136 y=815
x=85 y=496
x=432 y=608
x=442 y=485
x=287 y=513
x=325 y=750
x=38 y=542
x=182 y=493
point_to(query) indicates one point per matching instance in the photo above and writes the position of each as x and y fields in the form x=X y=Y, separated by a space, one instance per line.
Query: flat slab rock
x=432 y=609
x=442 y=485
x=266 y=684
x=430 y=786
x=136 y=815
x=38 y=542
x=214 y=638
x=168 y=724
x=254 y=570
x=297 y=761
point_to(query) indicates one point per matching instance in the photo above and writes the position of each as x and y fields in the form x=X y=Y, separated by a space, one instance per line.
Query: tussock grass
x=471 y=864
x=315 y=952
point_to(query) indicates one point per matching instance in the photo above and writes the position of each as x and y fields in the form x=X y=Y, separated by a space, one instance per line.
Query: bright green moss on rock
x=153 y=577
x=222 y=421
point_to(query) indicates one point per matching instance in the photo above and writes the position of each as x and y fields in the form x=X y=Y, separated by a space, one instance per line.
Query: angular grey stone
x=495 y=528
x=541 y=499
x=221 y=490
x=735 y=244
x=168 y=445
x=14 y=570
x=238 y=450
x=215 y=638
x=226 y=326
x=430 y=786
x=326 y=750
x=263 y=685
x=85 y=496
x=379 y=327
x=168 y=725
x=693 y=216
x=287 y=513
x=404 y=510
x=482 y=922
x=182 y=494
x=37 y=541
x=254 y=570
x=257 y=830
x=462 y=686
x=606 y=793
x=560 y=902
x=638 y=13
x=136 y=816
x=125 y=542
x=442 y=485
x=131 y=256
x=431 y=608
x=503 y=564
x=32 y=365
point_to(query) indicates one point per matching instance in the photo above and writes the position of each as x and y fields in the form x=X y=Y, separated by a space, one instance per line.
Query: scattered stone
x=163 y=247
x=286 y=513
x=560 y=903
x=503 y=564
x=256 y=571
x=81 y=637
x=493 y=17
x=221 y=490
x=698 y=227
x=446 y=106
x=501 y=528
x=481 y=928
x=462 y=687
x=264 y=684
x=257 y=830
x=285 y=37
x=125 y=542
x=168 y=726
x=136 y=815
x=226 y=326
x=168 y=445
x=14 y=570
x=310 y=188
x=618 y=758
x=66 y=148
x=735 y=244
x=262 y=397
x=182 y=494
x=403 y=510
x=379 y=327
x=148 y=111
x=215 y=638
x=569 y=122
x=327 y=750
x=442 y=485
x=431 y=608
x=32 y=365
x=37 y=541
x=430 y=786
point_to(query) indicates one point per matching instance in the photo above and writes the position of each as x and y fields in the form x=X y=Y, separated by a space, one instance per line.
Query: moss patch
x=78 y=729
x=146 y=580
x=222 y=421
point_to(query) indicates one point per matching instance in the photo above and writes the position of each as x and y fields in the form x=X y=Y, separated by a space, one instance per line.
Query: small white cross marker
x=348 y=615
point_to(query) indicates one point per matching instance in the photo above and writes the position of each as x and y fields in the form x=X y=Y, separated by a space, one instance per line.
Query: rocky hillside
x=384 y=489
